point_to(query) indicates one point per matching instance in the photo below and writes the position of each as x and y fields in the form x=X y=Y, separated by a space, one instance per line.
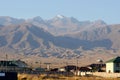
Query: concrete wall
x=104 y=74
x=101 y=74
x=110 y=67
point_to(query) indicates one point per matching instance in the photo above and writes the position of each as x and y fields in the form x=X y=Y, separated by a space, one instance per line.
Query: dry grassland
x=44 y=77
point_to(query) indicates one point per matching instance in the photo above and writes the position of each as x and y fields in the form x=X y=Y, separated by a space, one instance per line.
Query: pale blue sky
x=107 y=10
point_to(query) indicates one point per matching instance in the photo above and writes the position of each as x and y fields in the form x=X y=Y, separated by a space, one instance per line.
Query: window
x=117 y=64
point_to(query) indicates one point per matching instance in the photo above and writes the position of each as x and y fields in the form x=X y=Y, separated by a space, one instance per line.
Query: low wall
x=104 y=74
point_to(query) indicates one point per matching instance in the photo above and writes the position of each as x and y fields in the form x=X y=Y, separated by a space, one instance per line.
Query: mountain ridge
x=62 y=38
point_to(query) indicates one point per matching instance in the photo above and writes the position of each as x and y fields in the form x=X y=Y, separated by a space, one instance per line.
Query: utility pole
x=67 y=70
x=6 y=57
x=6 y=61
x=77 y=65
x=40 y=64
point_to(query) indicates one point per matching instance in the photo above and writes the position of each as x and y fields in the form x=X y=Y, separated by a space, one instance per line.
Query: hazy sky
x=107 y=10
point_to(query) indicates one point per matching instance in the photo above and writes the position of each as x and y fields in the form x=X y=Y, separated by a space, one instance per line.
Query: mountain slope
x=30 y=39
x=34 y=36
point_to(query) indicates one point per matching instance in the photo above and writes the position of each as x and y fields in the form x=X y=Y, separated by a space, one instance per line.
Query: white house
x=62 y=69
x=113 y=65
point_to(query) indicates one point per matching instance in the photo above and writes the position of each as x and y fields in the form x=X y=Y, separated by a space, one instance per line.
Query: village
x=110 y=69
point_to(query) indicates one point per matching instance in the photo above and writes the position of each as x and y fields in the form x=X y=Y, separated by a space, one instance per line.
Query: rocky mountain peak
x=60 y=16
x=38 y=18
x=99 y=22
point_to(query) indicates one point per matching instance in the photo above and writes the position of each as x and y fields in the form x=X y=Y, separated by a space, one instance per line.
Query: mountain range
x=60 y=37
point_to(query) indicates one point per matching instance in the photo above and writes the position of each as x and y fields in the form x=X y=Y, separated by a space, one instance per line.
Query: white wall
x=104 y=74
x=110 y=67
